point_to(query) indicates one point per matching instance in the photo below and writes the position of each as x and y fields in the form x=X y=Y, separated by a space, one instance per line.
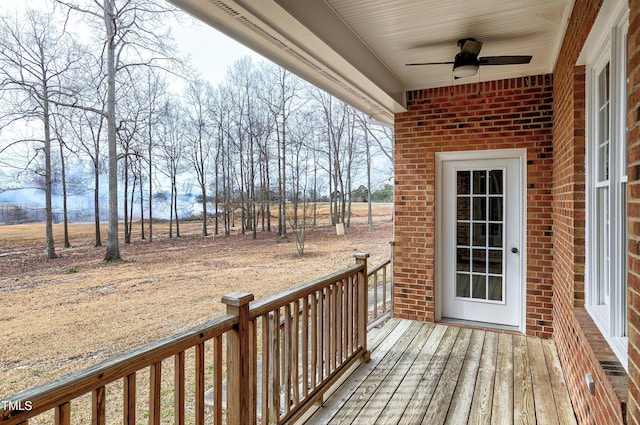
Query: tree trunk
x=127 y=236
x=51 y=252
x=171 y=210
x=203 y=188
x=65 y=216
x=141 y=203
x=150 y=151
x=133 y=193
x=113 y=248
x=96 y=203
x=175 y=206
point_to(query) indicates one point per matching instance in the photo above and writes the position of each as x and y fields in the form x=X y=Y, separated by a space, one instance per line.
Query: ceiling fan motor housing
x=463 y=59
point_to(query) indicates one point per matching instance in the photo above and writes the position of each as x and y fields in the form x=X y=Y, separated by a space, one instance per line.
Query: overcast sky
x=212 y=59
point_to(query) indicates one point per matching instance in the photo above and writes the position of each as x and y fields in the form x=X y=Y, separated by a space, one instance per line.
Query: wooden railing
x=380 y=283
x=282 y=354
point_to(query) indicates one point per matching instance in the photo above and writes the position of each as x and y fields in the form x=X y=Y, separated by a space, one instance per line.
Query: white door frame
x=440 y=159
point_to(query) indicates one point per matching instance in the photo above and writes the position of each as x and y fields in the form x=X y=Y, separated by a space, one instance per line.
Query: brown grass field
x=63 y=315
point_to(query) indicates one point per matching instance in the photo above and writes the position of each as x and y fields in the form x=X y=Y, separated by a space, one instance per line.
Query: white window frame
x=607 y=44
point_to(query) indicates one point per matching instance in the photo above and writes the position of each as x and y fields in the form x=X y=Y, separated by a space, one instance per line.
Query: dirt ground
x=59 y=316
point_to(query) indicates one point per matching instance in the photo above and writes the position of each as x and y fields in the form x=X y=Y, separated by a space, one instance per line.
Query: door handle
x=514 y=250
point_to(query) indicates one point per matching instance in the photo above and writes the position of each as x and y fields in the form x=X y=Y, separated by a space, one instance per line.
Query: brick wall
x=514 y=113
x=580 y=345
x=633 y=210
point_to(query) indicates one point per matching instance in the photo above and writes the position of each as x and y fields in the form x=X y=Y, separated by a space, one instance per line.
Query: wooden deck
x=439 y=374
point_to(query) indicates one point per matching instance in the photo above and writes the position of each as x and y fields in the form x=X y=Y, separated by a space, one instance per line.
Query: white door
x=481 y=256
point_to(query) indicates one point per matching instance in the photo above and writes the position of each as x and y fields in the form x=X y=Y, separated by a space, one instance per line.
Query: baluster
x=130 y=399
x=384 y=288
x=339 y=315
x=155 y=381
x=295 y=335
x=178 y=399
x=348 y=301
x=375 y=294
x=63 y=414
x=286 y=357
x=335 y=329
x=327 y=331
x=266 y=358
x=98 y=406
x=199 y=396
x=322 y=324
x=253 y=367
x=305 y=347
x=217 y=380
x=275 y=346
x=314 y=340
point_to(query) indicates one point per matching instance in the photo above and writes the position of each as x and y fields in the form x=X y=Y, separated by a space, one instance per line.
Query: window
x=606 y=178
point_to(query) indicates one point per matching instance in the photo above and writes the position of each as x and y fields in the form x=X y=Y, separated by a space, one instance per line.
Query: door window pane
x=495 y=209
x=463 y=285
x=495 y=288
x=495 y=182
x=464 y=182
x=495 y=261
x=464 y=208
x=479 y=182
x=479 y=234
x=479 y=261
x=480 y=208
x=463 y=259
x=495 y=235
x=479 y=287
x=463 y=234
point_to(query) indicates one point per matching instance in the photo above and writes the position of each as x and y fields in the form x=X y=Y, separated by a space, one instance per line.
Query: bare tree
x=279 y=93
x=133 y=35
x=198 y=106
x=154 y=89
x=381 y=135
x=173 y=155
x=34 y=55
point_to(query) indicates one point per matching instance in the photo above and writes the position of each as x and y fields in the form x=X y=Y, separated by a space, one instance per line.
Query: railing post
x=238 y=358
x=363 y=303
x=391 y=266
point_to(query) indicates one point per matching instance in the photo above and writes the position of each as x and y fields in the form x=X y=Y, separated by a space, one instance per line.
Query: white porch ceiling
x=357 y=49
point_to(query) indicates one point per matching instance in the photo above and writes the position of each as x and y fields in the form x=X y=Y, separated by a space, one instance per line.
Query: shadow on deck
x=439 y=374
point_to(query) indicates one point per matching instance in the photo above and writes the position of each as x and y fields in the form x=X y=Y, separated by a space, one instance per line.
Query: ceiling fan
x=467 y=62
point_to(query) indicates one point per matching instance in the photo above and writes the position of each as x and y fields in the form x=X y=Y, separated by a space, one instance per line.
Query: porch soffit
x=357 y=49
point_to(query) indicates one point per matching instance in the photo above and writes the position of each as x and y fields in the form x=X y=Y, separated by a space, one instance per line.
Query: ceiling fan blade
x=504 y=60
x=429 y=63
x=470 y=46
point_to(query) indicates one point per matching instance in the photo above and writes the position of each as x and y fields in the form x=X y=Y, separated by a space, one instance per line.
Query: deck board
x=401 y=397
x=502 y=409
x=444 y=374
x=463 y=395
x=481 y=406
x=439 y=406
x=364 y=392
x=523 y=406
x=426 y=387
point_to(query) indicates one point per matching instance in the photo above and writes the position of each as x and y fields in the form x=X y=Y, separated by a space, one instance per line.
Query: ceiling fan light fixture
x=465 y=65
x=463 y=71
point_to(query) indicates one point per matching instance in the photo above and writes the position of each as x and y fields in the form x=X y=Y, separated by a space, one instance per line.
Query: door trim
x=440 y=158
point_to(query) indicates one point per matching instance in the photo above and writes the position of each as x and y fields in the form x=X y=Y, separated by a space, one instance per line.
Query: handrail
x=52 y=394
x=305 y=338
x=262 y=307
